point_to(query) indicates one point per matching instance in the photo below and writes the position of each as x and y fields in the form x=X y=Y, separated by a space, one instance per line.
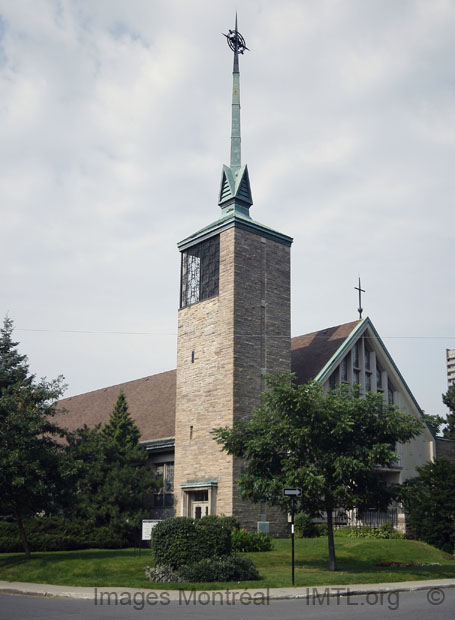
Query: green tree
x=434 y=422
x=121 y=428
x=327 y=445
x=114 y=476
x=429 y=500
x=31 y=454
x=449 y=399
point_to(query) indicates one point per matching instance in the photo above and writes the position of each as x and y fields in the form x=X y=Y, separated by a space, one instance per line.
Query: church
x=234 y=327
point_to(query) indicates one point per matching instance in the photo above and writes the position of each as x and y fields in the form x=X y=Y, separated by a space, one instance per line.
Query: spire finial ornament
x=237 y=44
x=235 y=192
x=361 y=290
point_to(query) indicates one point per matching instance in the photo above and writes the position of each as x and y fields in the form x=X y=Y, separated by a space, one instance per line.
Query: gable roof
x=353 y=331
x=311 y=352
x=151 y=402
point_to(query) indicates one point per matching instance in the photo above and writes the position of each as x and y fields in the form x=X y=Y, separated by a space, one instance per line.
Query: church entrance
x=199 y=504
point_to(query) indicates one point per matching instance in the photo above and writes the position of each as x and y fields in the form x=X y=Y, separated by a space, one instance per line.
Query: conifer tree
x=121 y=428
x=449 y=399
x=31 y=457
x=429 y=500
x=114 y=474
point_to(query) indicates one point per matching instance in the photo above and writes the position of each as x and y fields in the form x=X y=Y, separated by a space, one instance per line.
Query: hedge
x=58 y=534
x=244 y=541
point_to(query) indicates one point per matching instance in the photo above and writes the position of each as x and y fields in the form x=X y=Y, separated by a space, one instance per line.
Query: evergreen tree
x=449 y=399
x=121 y=428
x=114 y=476
x=429 y=500
x=434 y=423
x=31 y=455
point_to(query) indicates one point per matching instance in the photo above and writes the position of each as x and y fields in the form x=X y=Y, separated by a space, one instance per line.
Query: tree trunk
x=23 y=535
x=332 y=559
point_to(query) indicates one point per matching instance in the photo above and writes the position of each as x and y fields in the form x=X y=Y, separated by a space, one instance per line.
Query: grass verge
x=356 y=560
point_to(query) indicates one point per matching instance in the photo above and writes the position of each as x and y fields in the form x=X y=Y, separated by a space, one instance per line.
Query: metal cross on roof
x=361 y=290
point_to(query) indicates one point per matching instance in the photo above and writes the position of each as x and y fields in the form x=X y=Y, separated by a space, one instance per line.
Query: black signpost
x=292 y=494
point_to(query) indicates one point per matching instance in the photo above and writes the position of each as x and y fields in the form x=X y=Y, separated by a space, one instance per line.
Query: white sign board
x=292 y=492
x=147 y=527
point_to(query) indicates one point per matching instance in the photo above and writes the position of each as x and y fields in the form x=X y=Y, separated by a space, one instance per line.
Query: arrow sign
x=292 y=492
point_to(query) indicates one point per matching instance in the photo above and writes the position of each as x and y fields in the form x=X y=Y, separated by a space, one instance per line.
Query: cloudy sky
x=114 y=125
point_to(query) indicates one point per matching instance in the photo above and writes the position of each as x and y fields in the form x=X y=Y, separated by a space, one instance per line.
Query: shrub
x=230 y=522
x=174 y=542
x=386 y=530
x=180 y=540
x=162 y=574
x=322 y=528
x=225 y=568
x=58 y=534
x=304 y=527
x=213 y=536
x=250 y=541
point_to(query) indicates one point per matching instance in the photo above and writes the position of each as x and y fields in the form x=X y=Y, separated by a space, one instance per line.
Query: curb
x=259 y=596
x=347 y=591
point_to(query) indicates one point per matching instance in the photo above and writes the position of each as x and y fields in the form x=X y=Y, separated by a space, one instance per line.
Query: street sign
x=292 y=492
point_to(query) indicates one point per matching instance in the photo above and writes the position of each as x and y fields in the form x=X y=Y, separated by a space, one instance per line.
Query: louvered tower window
x=200 y=272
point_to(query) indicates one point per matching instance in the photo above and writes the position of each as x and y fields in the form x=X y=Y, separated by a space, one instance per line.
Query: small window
x=344 y=370
x=332 y=381
x=367 y=359
x=201 y=496
x=355 y=352
x=390 y=394
x=356 y=377
x=165 y=473
x=379 y=379
x=368 y=381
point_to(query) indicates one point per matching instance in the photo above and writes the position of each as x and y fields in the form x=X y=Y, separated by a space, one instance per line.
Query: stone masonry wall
x=236 y=337
x=261 y=342
x=205 y=386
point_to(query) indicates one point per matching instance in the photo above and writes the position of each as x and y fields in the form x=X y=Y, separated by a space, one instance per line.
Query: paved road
x=399 y=606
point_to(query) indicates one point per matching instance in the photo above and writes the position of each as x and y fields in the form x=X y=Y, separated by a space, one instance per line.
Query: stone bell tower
x=233 y=328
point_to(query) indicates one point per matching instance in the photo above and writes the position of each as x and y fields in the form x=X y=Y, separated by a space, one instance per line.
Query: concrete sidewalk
x=102 y=595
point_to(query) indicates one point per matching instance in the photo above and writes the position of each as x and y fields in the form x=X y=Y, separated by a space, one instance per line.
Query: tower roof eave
x=234 y=220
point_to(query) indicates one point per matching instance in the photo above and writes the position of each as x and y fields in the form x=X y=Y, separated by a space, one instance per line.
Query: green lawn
x=125 y=568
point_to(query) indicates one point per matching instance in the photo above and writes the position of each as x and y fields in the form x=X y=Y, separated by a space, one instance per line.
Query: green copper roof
x=235 y=189
x=235 y=197
x=231 y=220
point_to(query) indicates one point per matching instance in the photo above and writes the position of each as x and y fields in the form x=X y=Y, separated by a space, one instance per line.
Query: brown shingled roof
x=151 y=402
x=311 y=352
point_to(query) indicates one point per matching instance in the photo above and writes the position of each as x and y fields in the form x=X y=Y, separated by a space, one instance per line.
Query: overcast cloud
x=114 y=125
